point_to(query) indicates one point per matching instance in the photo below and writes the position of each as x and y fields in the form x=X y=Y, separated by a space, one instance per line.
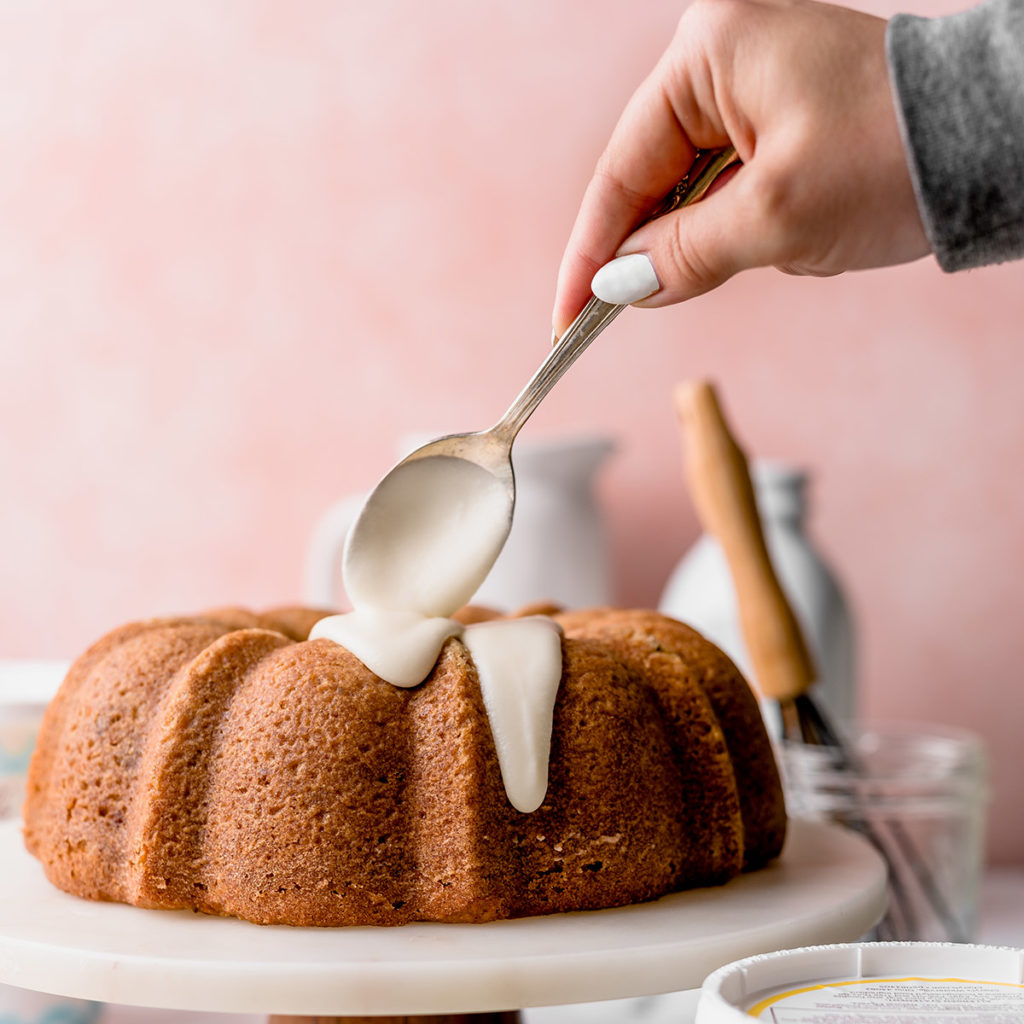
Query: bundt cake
x=223 y=763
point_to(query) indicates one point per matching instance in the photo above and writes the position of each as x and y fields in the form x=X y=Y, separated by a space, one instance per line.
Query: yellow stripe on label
x=758 y=1008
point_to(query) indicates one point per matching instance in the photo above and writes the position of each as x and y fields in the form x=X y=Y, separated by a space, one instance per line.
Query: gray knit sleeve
x=959 y=85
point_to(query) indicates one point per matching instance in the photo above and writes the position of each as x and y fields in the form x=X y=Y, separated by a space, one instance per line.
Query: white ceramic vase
x=700 y=592
x=557 y=549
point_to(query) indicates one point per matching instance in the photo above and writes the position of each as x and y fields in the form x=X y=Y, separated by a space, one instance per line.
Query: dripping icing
x=519 y=662
x=400 y=647
x=422 y=545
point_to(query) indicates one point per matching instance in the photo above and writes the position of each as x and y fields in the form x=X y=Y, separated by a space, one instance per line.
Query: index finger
x=649 y=151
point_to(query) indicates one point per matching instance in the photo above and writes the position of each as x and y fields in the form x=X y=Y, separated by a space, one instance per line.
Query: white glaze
x=427 y=536
x=401 y=647
x=519 y=662
x=423 y=543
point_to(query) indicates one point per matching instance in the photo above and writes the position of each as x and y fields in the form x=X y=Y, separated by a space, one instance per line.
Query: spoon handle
x=596 y=314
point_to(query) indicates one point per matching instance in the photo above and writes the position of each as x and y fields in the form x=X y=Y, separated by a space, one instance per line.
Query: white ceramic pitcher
x=557 y=549
x=700 y=591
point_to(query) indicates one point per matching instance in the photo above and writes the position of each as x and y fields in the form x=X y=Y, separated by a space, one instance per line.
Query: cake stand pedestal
x=508 y=1017
x=828 y=886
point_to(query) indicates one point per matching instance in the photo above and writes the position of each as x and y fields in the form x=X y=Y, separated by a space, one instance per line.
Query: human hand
x=801 y=89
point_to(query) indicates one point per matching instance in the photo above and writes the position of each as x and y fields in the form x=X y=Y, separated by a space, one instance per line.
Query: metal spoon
x=492 y=449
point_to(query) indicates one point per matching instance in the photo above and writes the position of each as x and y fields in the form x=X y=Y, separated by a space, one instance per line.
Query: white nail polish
x=626 y=279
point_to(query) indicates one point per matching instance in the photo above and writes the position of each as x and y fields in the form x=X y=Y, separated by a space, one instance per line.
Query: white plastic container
x=869 y=983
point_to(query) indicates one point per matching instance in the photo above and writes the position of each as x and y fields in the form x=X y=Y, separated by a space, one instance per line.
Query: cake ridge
x=458 y=875
x=167 y=868
x=303 y=789
x=90 y=732
x=733 y=705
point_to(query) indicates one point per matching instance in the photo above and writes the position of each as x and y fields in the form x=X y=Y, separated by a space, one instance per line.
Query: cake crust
x=226 y=765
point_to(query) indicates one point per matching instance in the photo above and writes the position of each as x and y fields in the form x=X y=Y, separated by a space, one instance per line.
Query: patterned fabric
x=959 y=84
x=19 y=1006
x=12 y=793
x=16 y=742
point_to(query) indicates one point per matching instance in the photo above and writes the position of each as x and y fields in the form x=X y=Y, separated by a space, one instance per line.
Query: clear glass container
x=919 y=794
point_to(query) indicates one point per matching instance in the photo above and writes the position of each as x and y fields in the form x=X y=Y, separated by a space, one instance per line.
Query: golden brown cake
x=225 y=764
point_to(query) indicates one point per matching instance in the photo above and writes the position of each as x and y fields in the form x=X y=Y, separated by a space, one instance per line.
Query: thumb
x=686 y=253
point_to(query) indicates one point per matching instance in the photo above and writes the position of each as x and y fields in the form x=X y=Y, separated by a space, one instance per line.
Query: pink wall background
x=244 y=247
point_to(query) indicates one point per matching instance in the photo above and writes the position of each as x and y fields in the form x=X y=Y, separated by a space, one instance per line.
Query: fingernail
x=626 y=279
x=554 y=337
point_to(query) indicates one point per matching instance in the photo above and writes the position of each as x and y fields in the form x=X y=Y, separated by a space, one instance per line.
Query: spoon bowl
x=489 y=449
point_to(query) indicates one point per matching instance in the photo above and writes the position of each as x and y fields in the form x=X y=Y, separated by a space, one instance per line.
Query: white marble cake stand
x=828 y=886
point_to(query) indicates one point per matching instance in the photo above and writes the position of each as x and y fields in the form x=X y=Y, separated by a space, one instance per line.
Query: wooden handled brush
x=724 y=495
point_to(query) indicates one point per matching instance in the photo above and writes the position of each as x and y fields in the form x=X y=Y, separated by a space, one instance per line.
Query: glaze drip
x=519 y=662
x=400 y=647
x=423 y=543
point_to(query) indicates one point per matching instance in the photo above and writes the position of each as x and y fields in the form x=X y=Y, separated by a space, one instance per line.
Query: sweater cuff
x=959 y=91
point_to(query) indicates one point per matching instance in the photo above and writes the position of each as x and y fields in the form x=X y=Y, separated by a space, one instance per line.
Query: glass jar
x=919 y=794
